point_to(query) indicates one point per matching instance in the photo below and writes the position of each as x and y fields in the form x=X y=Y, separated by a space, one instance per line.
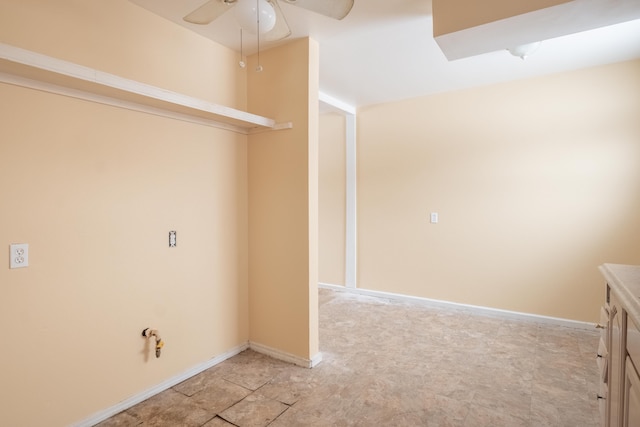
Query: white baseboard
x=575 y=324
x=286 y=357
x=134 y=400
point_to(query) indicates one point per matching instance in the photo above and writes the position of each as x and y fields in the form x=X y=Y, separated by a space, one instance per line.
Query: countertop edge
x=624 y=280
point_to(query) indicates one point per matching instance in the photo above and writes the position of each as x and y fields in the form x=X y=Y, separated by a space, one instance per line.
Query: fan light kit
x=524 y=50
x=255 y=16
x=264 y=17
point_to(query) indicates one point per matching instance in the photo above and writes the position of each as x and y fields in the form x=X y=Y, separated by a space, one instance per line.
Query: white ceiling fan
x=212 y=9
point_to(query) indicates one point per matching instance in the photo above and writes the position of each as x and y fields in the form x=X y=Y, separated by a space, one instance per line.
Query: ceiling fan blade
x=281 y=30
x=336 y=9
x=209 y=11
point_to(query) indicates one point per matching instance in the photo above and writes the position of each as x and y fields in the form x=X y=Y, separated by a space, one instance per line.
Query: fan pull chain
x=259 y=67
x=241 y=63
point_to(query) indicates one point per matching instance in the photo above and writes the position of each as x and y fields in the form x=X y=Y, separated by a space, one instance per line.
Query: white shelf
x=29 y=69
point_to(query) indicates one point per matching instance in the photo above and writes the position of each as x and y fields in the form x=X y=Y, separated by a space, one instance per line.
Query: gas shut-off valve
x=149 y=333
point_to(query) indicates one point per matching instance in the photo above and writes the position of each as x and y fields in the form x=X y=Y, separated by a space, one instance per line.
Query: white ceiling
x=384 y=49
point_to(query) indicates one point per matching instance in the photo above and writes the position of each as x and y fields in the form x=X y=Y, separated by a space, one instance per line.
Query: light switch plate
x=19 y=255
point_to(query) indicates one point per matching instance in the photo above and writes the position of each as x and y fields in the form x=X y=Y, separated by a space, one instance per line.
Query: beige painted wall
x=537 y=182
x=283 y=201
x=332 y=199
x=94 y=190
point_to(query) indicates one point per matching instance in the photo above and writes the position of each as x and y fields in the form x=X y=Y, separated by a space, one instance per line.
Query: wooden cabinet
x=619 y=347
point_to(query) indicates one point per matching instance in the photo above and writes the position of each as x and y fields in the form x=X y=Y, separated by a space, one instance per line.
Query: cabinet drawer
x=604 y=322
x=602 y=360
x=602 y=402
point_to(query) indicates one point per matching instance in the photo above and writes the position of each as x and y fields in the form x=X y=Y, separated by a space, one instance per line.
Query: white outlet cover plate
x=19 y=255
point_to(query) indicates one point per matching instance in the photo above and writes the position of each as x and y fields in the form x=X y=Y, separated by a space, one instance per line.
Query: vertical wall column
x=283 y=204
x=350 y=238
x=349 y=113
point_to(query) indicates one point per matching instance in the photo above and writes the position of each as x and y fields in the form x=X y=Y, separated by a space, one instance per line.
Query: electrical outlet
x=434 y=217
x=19 y=255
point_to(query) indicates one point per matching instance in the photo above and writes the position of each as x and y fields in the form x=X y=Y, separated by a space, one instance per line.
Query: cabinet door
x=616 y=363
x=603 y=389
x=602 y=359
x=631 y=408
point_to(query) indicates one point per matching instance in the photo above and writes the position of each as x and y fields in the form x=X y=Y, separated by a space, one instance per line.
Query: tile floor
x=389 y=363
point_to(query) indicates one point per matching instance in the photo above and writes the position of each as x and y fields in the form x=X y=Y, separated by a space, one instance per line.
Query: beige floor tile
x=431 y=410
x=251 y=370
x=218 y=422
x=255 y=410
x=547 y=413
x=292 y=384
x=480 y=416
x=156 y=404
x=219 y=395
x=199 y=382
x=185 y=415
x=123 y=419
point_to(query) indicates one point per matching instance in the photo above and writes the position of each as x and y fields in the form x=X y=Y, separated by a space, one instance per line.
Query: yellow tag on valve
x=159 y=345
